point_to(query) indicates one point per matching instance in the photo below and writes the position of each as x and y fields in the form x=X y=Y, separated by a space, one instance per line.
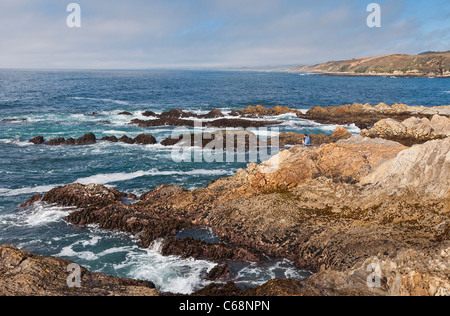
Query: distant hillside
x=430 y=64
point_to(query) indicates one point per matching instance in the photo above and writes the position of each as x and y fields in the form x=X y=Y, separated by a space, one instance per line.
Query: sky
x=142 y=34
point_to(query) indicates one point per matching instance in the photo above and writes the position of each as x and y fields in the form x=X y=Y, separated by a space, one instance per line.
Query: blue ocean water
x=61 y=104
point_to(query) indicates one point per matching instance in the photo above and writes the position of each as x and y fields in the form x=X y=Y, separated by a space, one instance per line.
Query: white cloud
x=179 y=33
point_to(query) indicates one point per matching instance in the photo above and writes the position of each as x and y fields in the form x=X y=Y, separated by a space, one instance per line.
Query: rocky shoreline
x=368 y=215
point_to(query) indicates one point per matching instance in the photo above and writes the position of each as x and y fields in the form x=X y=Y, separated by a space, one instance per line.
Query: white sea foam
x=122 y=176
x=169 y=273
x=113 y=177
x=39 y=214
x=38 y=189
x=69 y=252
x=16 y=141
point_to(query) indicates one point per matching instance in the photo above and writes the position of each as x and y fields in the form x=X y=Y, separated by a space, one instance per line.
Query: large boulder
x=127 y=140
x=87 y=139
x=37 y=140
x=145 y=139
x=213 y=114
x=411 y=131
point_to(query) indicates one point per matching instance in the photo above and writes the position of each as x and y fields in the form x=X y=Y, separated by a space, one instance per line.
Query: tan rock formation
x=25 y=274
x=412 y=130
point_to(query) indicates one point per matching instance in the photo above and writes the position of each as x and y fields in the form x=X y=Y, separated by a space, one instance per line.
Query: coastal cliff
x=423 y=65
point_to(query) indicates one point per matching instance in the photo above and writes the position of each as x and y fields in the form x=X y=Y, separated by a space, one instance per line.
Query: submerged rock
x=112 y=139
x=38 y=140
x=149 y=113
x=56 y=142
x=126 y=139
x=145 y=139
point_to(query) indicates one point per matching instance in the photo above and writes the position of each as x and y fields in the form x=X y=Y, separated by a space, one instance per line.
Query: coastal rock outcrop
x=145 y=139
x=316 y=140
x=26 y=274
x=38 y=140
x=232 y=140
x=90 y=139
x=365 y=115
x=87 y=139
x=261 y=111
x=217 y=123
x=342 y=210
x=411 y=131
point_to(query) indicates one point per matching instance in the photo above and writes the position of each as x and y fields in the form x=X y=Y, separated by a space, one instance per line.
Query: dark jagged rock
x=38 y=140
x=171 y=141
x=236 y=123
x=56 y=142
x=149 y=113
x=261 y=111
x=145 y=139
x=69 y=142
x=87 y=139
x=229 y=289
x=34 y=199
x=198 y=249
x=83 y=196
x=112 y=139
x=176 y=113
x=162 y=193
x=221 y=272
x=276 y=287
x=126 y=139
x=213 y=114
x=167 y=121
x=125 y=113
x=219 y=123
x=14 y=120
x=238 y=139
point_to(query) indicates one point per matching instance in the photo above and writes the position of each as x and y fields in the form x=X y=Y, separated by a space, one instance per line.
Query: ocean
x=57 y=104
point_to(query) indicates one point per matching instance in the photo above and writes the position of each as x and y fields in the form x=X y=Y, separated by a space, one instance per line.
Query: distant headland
x=427 y=64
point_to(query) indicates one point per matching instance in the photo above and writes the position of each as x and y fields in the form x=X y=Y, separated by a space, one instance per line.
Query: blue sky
x=214 y=33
